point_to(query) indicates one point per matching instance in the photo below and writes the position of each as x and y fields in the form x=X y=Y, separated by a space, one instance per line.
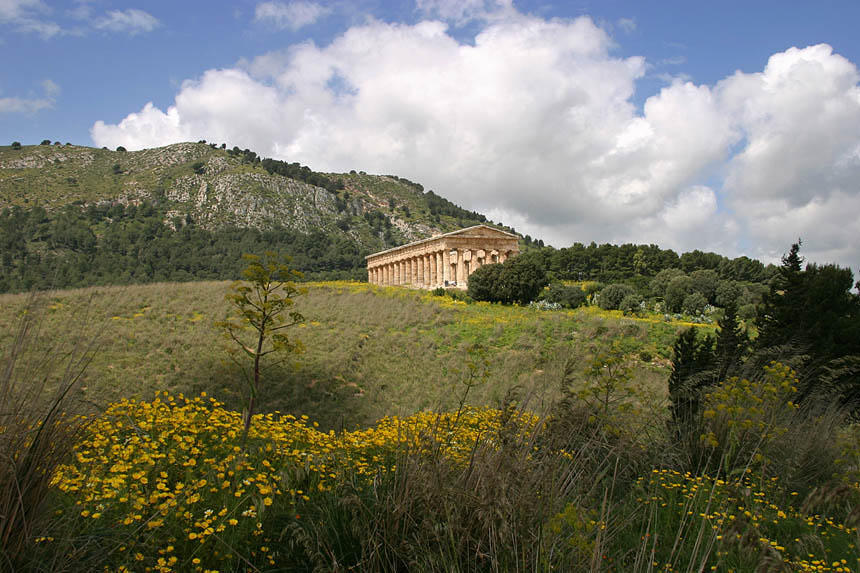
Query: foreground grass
x=370 y=351
x=164 y=485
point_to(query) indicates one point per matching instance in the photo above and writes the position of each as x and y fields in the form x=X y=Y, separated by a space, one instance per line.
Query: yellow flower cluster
x=745 y=518
x=743 y=417
x=173 y=475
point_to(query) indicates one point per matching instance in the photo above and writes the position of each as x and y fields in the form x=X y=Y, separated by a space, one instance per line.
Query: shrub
x=566 y=296
x=611 y=296
x=630 y=304
x=121 y=148
x=518 y=280
x=694 y=303
x=677 y=290
x=16 y=145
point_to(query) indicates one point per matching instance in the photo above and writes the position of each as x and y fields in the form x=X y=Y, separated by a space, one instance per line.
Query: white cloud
x=459 y=11
x=628 y=25
x=291 y=15
x=28 y=17
x=32 y=104
x=131 y=21
x=534 y=124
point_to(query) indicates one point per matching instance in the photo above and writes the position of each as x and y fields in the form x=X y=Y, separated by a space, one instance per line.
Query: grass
x=370 y=351
x=544 y=446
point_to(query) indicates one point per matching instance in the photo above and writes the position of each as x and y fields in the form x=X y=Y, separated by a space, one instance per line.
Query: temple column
x=408 y=264
x=461 y=269
x=425 y=269
x=384 y=275
x=440 y=270
x=432 y=259
x=446 y=267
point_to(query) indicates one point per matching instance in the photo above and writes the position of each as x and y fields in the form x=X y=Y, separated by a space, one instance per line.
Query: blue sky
x=692 y=125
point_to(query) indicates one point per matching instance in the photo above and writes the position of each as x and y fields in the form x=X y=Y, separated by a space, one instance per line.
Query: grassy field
x=382 y=462
x=370 y=351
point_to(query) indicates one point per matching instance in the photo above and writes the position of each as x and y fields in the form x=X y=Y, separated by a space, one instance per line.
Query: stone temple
x=442 y=261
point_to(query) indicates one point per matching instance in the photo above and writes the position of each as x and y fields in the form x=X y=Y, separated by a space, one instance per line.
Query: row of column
x=430 y=270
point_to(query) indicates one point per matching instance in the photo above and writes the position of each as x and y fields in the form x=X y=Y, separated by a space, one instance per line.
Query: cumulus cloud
x=291 y=15
x=533 y=123
x=131 y=21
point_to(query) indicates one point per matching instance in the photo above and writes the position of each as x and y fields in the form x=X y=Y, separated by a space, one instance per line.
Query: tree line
x=117 y=244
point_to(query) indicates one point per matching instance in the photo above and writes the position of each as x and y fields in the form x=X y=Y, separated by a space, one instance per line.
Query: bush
x=677 y=290
x=630 y=304
x=121 y=148
x=45 y=142
x=611 y=296
x=16 y=145
x=566 y=296
x=694 y=304
x=518 y=280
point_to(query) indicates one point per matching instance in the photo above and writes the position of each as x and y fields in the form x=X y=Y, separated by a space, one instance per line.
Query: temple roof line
x=435 y=237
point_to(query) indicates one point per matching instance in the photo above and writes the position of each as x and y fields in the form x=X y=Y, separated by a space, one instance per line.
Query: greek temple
x=445 y=260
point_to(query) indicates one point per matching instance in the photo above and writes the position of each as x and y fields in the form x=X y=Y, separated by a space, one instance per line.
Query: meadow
x=370 y=351
x=416 y=433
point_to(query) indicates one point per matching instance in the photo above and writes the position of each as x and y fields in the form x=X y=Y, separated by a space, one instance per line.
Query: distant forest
x=104 y=244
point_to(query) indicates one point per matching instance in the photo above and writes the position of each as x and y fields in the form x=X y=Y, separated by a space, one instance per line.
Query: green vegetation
x=261 y=308
x=369 y=351
x=519 y=280
x=595 y=483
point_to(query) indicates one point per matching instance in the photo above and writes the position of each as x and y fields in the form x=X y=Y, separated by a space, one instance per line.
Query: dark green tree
x=612 y=295
x=692 y=358
x=732 y=344
x=16 y=145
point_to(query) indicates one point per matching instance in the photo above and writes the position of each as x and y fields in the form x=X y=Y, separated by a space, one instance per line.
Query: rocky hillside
x=217 y=188
x=75 y=216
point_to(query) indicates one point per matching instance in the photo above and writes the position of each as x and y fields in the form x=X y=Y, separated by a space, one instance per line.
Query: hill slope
x=371 y=351
x=77 y=206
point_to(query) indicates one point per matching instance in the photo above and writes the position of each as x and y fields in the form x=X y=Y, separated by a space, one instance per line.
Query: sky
x=728 y=126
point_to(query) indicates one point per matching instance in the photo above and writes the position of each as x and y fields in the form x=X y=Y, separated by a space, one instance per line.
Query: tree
x=566 y=296
x=45 y=142
x=705 y=281
x=694 y=304
x=16 y=145
x=261 y=312
x=611 y=296
x=518 y=280
x=677 y=290
x=120 y=148
x=732 y=343
x=661 y=281
x=692 y=357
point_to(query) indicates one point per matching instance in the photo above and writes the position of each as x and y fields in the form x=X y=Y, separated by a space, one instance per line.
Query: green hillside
x=76 y=216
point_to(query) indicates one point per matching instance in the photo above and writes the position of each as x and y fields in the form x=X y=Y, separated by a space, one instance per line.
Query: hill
x=77 y=206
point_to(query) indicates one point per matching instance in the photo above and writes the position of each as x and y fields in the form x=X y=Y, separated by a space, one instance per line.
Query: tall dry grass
x=38 y=428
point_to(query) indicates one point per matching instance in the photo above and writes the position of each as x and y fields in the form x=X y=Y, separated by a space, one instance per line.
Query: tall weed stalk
x=37 y=432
